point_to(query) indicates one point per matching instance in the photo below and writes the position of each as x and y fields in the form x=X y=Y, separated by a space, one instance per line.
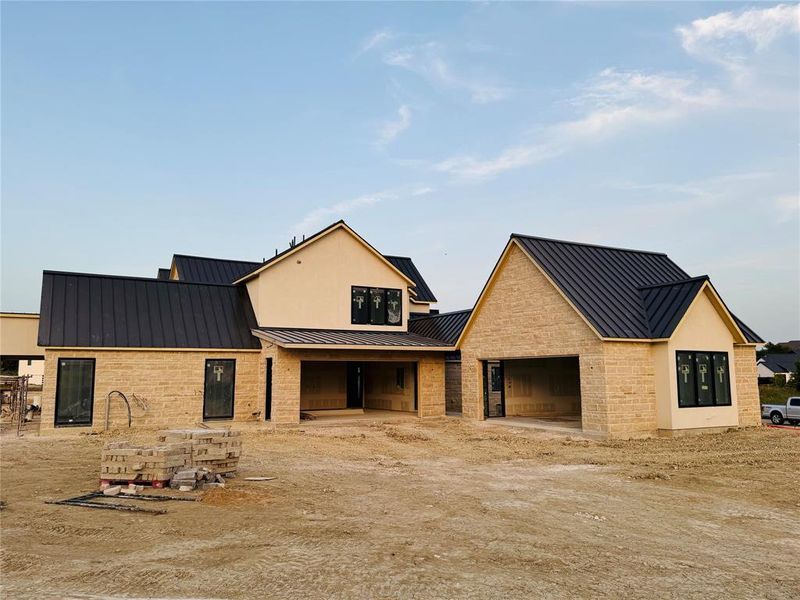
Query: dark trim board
x=268 y=399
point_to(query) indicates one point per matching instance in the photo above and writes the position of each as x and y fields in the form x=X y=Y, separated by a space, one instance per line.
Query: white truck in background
x=778 y=413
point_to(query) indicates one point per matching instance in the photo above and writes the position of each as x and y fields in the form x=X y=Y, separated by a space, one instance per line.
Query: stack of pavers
x=216 y=450
x=123 y=462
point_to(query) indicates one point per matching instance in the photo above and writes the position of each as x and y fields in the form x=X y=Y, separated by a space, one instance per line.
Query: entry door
x=494 y=398
x=355 y=385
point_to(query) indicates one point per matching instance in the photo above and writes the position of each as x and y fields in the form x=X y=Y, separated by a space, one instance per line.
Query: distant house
x=794 y=345
x=781 y=365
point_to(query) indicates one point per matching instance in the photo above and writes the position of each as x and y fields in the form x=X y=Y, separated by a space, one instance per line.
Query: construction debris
x=112 y=490
x=121 y=461
x=189 y=479
x=217 y=450
x=259 y=478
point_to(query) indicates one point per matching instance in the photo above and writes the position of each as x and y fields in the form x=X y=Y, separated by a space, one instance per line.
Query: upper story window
x=703 y=379
x=376 y=306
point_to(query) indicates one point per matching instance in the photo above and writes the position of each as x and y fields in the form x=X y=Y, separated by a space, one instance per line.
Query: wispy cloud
x=319 y=217
x=389 y=130
x=787 y=208
x=429 y=62
x=616 y=101
x=720 y=37
x=612 y=102
x=375 y=39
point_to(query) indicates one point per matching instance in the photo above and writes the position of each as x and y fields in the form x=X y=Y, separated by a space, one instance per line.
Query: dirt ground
x=439 y=509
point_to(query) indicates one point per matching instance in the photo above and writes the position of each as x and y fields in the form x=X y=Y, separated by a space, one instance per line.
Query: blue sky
x=134 y=130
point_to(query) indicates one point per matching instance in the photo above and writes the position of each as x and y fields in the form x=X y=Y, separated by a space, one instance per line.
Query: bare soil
x=440 y=509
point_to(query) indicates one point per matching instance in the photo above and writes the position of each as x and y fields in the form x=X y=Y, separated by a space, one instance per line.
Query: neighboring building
x=322 y=325
x=793 y=345
x=18 y=332
x=781 y=365
x=623 y=340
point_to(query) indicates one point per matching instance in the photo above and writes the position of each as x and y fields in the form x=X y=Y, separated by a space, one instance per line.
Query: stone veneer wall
x=749 y=403
x=170 y=382
x=286 y=377
x=524 y=316
x=630 y=395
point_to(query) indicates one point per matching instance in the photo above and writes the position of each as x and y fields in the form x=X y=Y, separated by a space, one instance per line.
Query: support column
x=285 y=384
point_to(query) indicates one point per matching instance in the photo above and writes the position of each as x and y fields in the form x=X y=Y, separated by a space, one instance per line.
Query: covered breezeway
x=534 y=389
x=352 y=387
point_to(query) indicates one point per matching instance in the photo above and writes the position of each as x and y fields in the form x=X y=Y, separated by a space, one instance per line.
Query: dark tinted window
x=794 y=402
x=497 y=380
x=359 y=309
x=686 y=385
x=394 y=307
x=74 y=391
x=377 y=306
x=722 y=380
x=704 y=378
x=218 y=395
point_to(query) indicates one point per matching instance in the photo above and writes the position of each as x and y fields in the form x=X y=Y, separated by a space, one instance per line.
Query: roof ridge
x=135 y=278
x=675 y=282
x=219 y=259
x=586 y=244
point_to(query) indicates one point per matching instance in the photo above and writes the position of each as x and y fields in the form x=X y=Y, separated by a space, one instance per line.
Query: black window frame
x=353 y=317
x=233 y=390
x=712 y=354
x=58 y=392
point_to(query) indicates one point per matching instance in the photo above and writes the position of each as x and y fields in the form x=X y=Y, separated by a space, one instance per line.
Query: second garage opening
x=543 y=388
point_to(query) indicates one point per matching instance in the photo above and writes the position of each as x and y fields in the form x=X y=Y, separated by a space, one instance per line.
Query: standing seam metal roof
x=623 y=293
x=347 y=337
x=443 y=326
x=200 y=269
x=83 y=310
x=407 y=267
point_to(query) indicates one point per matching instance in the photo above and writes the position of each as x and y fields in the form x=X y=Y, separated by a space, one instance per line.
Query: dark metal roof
x=407 y=267
x=623 y=293
x=751 y=335
x=163 y=274
x=345 y=337
x=666 y=303
x=90 y=311
x=200 y=269
x=780 y=363
x=444 y=326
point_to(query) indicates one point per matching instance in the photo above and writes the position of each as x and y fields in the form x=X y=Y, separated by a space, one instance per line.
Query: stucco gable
x=303 y=246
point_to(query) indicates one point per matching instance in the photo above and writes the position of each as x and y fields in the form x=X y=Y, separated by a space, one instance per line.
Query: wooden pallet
x=155 y=483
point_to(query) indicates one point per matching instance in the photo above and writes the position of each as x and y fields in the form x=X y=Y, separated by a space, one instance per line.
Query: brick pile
x=122 y=461
x=217 y=450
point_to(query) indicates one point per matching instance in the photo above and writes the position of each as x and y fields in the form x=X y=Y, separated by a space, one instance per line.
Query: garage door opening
x=347 y=388
x=546 y=389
